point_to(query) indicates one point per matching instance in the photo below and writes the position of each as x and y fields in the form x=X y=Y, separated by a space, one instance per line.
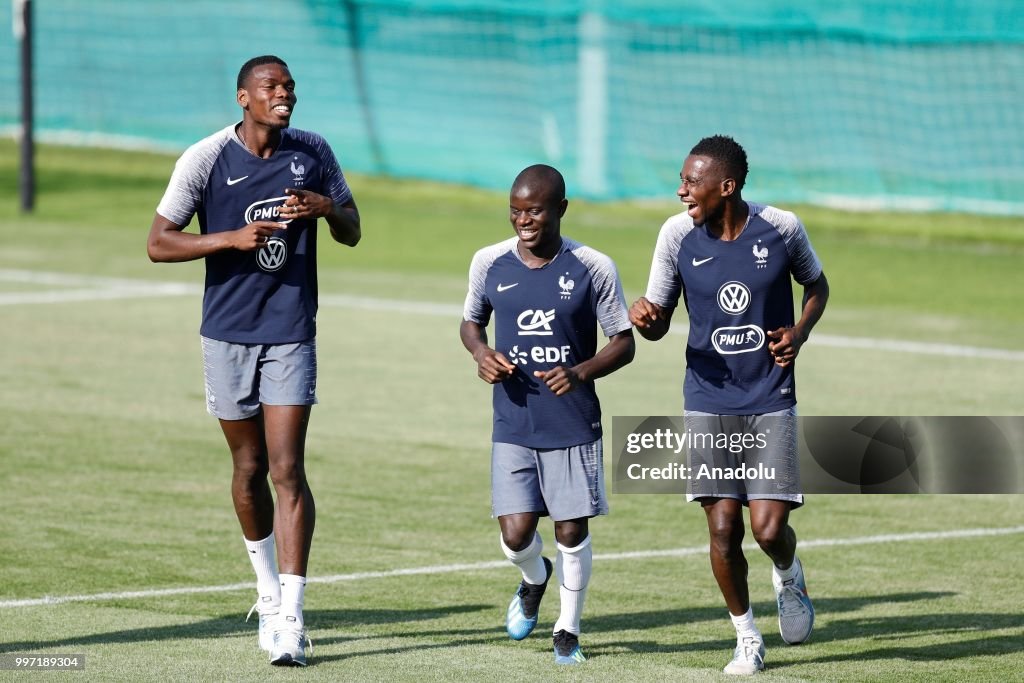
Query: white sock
x=293 y=590
x=745 y=625
x=574 y=568
x=528 y=560
x=787 y=573
x=268 y=584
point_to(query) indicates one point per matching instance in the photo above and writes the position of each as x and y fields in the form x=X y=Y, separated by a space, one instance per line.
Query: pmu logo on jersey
x=273 y=255
x=730 y=340
x=266 y=210
x=733 y=297
x=537 y=322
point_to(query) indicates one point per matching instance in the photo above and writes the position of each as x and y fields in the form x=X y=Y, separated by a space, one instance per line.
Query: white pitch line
x=500 y=564
x=926 y=348
x=366 y=303
x=59 y=296
x=98 y=288
x=90 y=288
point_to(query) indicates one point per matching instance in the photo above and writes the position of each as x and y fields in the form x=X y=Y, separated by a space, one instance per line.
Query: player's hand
x=785 y=345
x=560 y=380
x=305 y=204
x=643 y=313
x=493 y=367
x=255 y=235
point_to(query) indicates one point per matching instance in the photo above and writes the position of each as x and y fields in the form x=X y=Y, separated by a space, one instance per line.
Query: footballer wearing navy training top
x=732 y=263
x=548 y=295
x=257 y=188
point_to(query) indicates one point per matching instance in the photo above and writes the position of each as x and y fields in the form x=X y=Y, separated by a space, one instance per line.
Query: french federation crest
x=299 y=171
x=566 y=286
x=760 y=256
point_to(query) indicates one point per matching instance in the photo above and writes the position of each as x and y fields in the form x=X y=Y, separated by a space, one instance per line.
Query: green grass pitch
x=114 y=479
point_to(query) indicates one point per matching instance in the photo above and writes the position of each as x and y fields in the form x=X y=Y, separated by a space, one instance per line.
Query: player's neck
x=541 y=255
x=259 y=140
x=732 y=222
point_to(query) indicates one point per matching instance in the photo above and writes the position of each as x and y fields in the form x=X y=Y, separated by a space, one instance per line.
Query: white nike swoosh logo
x=502 y=288
x=236 y=180
x=697 y=263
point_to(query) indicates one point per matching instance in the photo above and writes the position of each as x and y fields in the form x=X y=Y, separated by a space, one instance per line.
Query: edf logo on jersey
x=538 y=323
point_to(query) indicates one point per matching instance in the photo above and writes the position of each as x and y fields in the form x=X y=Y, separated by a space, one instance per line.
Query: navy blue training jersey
x=267 y=296
x=545 y=317
x=734 y=292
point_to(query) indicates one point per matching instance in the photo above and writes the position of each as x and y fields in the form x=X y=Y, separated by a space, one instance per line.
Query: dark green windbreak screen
x=863 y=103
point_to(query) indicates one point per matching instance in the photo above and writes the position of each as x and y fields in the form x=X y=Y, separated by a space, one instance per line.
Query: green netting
x=863 y=103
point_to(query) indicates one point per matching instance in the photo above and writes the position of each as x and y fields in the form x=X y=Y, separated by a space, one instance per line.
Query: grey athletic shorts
x=565 y=483
x=756 y=457
x=240 y=377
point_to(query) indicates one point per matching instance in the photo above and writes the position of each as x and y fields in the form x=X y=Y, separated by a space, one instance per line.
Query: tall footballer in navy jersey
x=269 y=295
x=258 y=188
x=731 y=262
x=548 y=295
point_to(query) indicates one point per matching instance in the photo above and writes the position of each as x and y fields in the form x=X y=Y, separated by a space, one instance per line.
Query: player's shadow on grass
x=233 y=625
x=946 y=650
x=342 y=620
x=836 y=629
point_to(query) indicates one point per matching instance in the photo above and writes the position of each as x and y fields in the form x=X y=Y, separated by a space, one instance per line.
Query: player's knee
x=768 y=533
x=517 y=538
x=250 y=470
x=570 y=535
x=288 y=474
x=726 y=536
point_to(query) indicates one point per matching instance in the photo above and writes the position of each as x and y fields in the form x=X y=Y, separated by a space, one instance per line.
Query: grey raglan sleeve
x=664 y=285
x=609 y=301
x=803 y=262
x=184 y=192
x=477 y=308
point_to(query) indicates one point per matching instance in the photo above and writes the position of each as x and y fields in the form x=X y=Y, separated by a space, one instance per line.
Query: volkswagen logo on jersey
x=266 y=210
x=537 y=322
x=733 y=297
x=730 y=340
x=273 y=256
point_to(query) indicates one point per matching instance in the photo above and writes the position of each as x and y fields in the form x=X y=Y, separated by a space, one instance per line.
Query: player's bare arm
x=788 y=340
x=343 y=219
x=168 y=243
x=491 y=366
x=650 y=320
x=617 y=353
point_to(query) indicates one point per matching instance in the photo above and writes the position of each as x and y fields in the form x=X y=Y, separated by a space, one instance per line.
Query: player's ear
x=242 y=97
x=728 y=187
x=562 y=206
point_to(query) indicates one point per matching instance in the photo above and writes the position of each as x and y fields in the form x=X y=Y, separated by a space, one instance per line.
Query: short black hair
x=723 y=149
x=541 y=177
x=247 y=68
